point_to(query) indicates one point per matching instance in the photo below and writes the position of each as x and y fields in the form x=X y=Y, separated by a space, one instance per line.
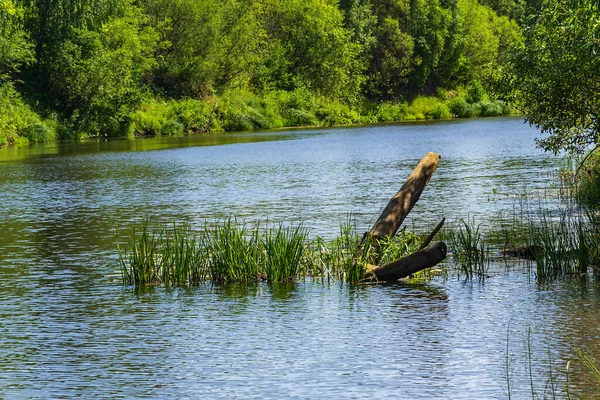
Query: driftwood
x=422 y=259
x=432 y=234
x=403 y=201
x=392 y=217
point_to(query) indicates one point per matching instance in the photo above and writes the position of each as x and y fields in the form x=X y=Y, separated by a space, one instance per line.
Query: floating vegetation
x=228 y=251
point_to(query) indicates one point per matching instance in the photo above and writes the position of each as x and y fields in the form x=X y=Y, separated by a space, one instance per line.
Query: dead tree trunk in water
x=422 y=259
x=392 y=217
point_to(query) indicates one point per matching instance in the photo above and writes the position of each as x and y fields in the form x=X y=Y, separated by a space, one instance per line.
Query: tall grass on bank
x=229 y=252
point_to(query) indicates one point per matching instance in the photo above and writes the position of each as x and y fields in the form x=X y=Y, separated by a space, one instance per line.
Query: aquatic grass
x=469 y=249
x=183 y=259
x=557 y=235
x=232 y=251
x=160 y=256
x=228 y=252
x=394 y=247
x=284 y=247
x=342 y=258
x=557 y=385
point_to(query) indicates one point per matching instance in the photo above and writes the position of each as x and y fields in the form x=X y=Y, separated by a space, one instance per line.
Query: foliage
x=554 y=75
x=588 y=182
x=15 y=48
x=229 y=251
x=106 y=68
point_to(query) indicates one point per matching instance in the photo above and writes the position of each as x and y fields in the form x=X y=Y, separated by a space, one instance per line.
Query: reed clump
x=558 y=235
x=468 y=247
x=228 y=252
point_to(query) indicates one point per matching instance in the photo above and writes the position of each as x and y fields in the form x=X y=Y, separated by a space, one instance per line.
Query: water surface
x=70 y=329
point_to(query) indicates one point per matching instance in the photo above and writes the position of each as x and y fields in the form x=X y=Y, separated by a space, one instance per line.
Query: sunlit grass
x=469 y=250
x=230 y=251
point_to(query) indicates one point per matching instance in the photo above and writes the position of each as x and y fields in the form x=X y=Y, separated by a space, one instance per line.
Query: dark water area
x=69 y=328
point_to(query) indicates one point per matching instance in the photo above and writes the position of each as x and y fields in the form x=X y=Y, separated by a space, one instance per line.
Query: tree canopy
x=555 y=74
x=91 y=66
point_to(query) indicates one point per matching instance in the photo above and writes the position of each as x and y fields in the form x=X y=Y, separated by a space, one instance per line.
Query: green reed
x=467 y=244
x=229 y=251
x=162 y=256
x=342 y=258
x=555 y=384
x=232 y=252
x=284 y=248
x=558 y=235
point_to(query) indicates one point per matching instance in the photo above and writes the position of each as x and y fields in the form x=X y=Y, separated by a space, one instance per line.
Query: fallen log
x=432 y=234
x=403 y=201
x=390 y=220
x=418 y=261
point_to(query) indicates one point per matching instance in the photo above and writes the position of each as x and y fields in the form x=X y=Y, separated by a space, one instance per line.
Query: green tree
x=429 y=25
x=97 y=74
x=393 y=58
x=206 y=45
x=554 y=76
x=16 y=51
x=310 y=47
x=15 y=47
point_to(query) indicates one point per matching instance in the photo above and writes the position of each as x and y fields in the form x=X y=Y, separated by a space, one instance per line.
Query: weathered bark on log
x=422 y=259
x=403 y=201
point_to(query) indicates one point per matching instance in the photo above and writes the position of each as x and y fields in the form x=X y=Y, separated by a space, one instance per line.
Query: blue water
x=69 y=328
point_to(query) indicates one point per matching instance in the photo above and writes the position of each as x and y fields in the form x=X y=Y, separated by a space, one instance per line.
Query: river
x=69 y=328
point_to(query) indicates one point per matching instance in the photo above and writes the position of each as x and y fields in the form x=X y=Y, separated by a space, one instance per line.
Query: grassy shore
x=236 y=111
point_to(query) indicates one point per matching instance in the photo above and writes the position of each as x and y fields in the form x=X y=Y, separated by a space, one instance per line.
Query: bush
x=475 y=92
x=296 y=117
x=429 y=108
x=588 y=188
x=40 y=132
x=152 y=118
x=15 y=116
x=335 y=113
x=460 y=108
x=441 y=111
x=492 y=109
x=389 y=112
x=195 y=115
x=173 y=128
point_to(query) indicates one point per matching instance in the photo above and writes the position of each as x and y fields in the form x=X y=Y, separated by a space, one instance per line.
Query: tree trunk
x=403 y=201
x=408 y=265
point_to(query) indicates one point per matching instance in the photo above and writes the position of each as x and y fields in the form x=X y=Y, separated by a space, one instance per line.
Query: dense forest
x=109 y=68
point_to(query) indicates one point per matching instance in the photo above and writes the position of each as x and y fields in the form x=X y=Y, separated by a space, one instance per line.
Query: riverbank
x=238 y=111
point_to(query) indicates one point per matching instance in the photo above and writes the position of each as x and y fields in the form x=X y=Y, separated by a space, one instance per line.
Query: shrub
x=388 y=112
x=491 y=109
x=296 y=117
x=40 y=132
x=441 y=111
x=195 y=115
x=152 y=118
x=173 y=128
x=475 y=92
x=15 y=115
